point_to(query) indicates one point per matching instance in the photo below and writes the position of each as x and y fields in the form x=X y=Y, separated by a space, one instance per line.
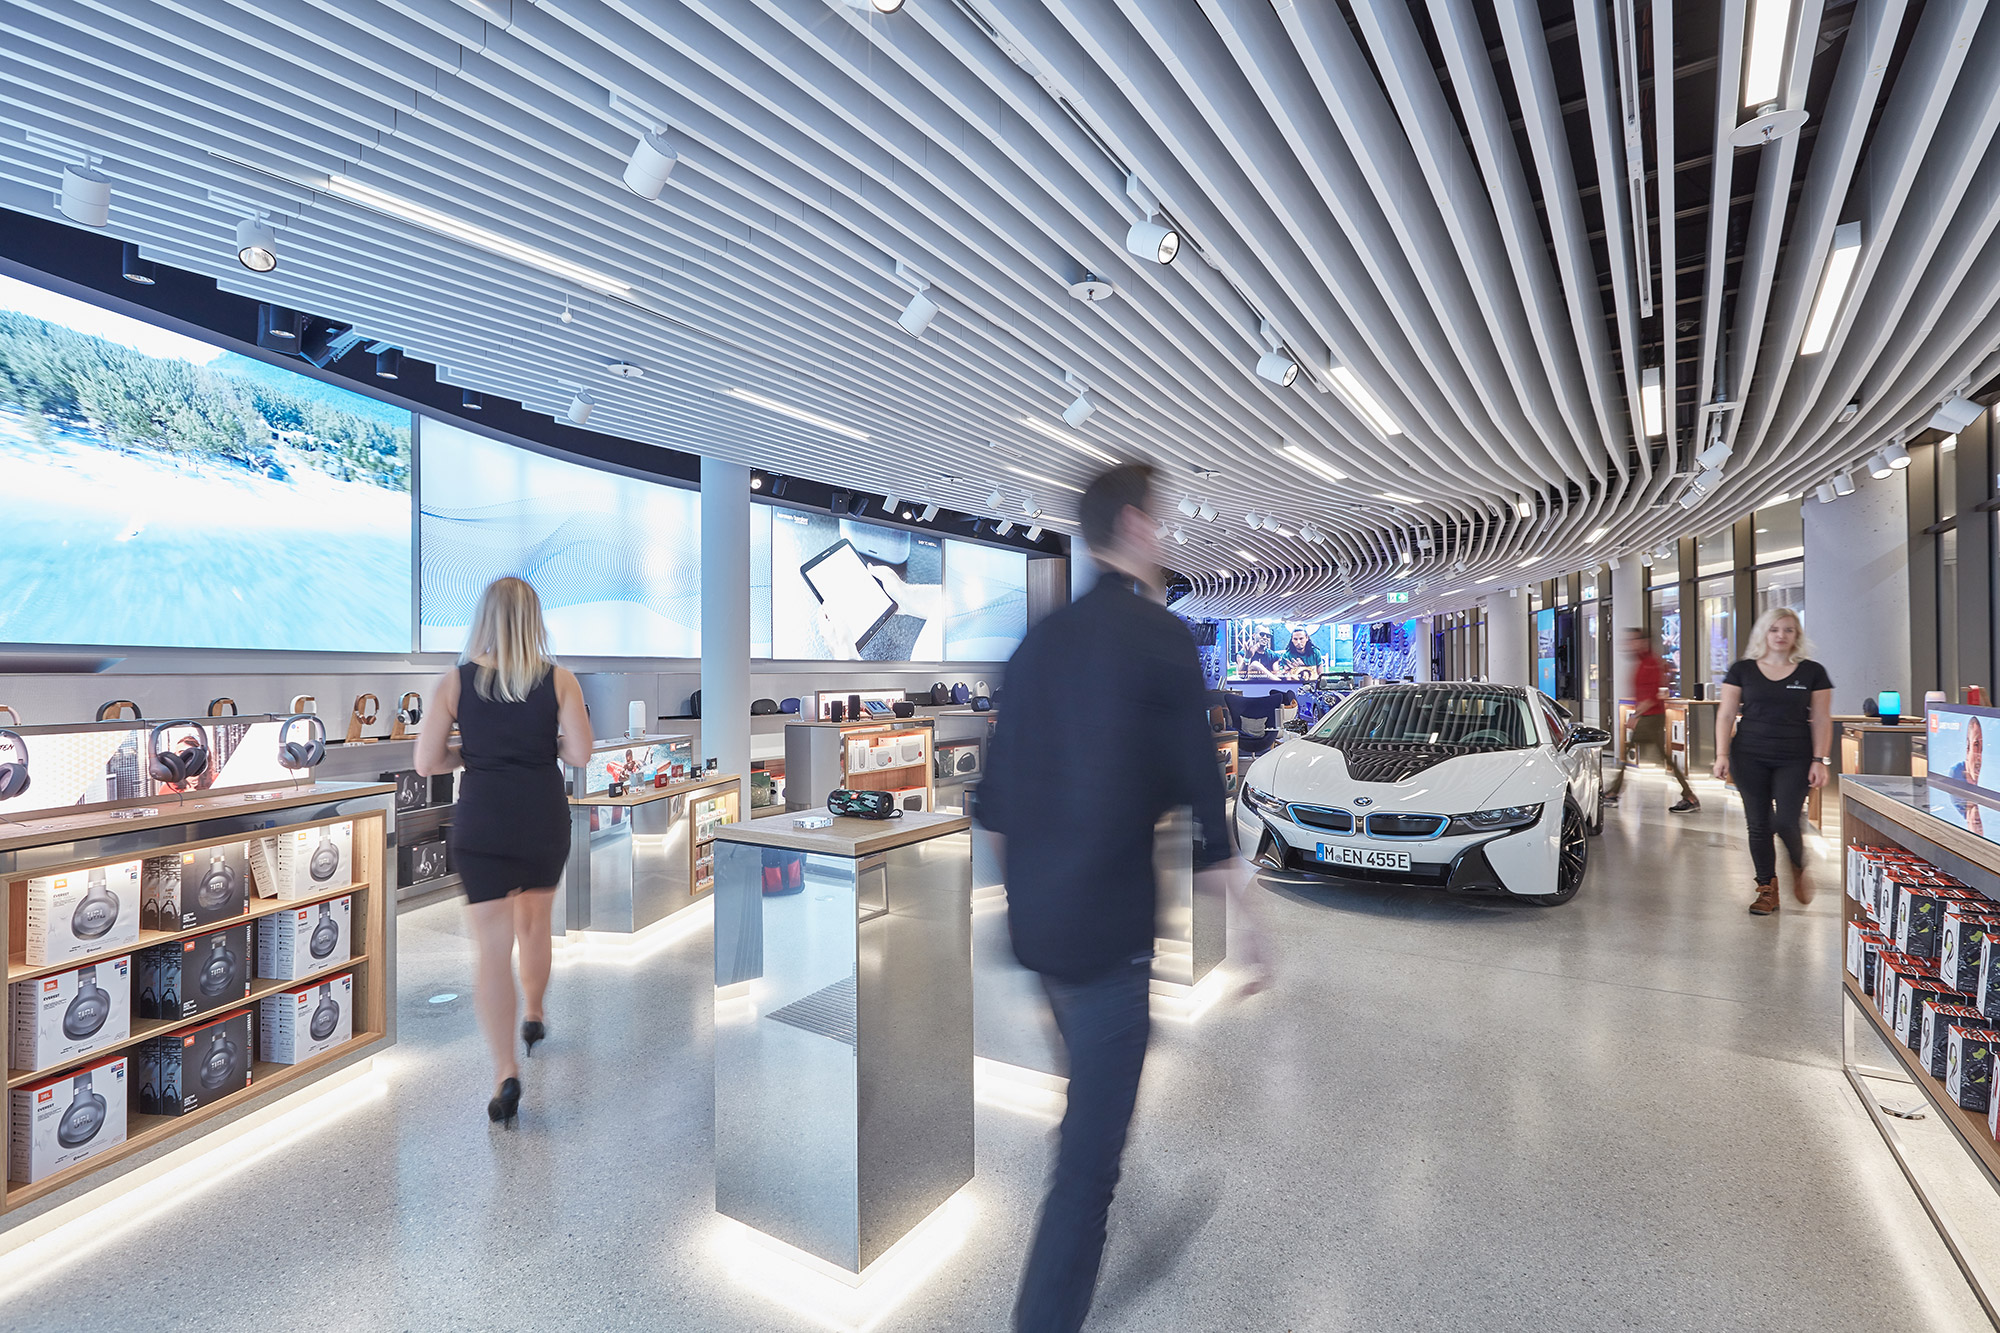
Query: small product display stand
x=843 y=1028
x=641 y=857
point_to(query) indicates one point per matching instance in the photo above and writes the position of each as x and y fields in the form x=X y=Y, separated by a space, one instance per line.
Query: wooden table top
x=846 y=836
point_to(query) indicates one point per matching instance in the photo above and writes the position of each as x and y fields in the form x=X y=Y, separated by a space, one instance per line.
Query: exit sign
x=1399 y=597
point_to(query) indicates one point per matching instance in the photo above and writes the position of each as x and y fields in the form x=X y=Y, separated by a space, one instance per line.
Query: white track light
x=652 y=162
x=1271 y=524
x=1878 y=466
x=1833 y=283
x=86 y=196
x=918 y=314
x=1080 y=411
x=580 y=408
x=1825 y=493
x=1843 y=483
x=1252 y=520
x=1897 y=456
x=1154 y=240
x=1029 y=509
x=1955 y=415
x=1034 y=534
x=1690 y=498
x=1848 y=413
x=256 y=245
x=1715 y=455
x=1180 y=537
x=1278 y=368
x=1003 y=527
x=1188 y=507
x=929 y=514
x=889 y=504
x=995 y=500
x=1207 y=512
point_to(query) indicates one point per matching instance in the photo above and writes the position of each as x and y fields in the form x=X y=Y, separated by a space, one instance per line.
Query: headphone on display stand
x=218 y=1062
x=88 y=1010
x=182 y=763
x=79 y=1124
x=217 y=885
x=14 y=773
x=366 y=707
x=327 y=1016
x=104 y=711
x=326 y=934
x=297 y=755
x=411 y=710
x=98 y=911
x=215 y=704
x=220 y=969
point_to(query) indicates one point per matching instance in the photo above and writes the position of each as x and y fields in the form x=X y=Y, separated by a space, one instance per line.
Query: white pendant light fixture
x=1833 y=284
x=86 y=196
x=256 y=245
x=1879 y=466
x=1149 y=238
x=1898 y=457
x=1843 y=483
x=652 y=161
x=1769 y=29
x=580 y=408
x=1824 y=491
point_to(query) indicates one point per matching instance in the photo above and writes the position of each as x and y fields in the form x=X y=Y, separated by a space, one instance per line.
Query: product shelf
x=1971 y=1125
x=143 y=1131
x=145 y=1029
x=18 y=968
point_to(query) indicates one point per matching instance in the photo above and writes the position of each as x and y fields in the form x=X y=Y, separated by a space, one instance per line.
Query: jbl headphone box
x=302 y=940
x=419 y=861
x=82 y=912
x=211 y=971
x=60 y=1017
x=61 y=1121
x=1968 y=1074
x=160 y=887
x=302 y=862
x=214 y=886
x=200 y=1066
x=296 y=1025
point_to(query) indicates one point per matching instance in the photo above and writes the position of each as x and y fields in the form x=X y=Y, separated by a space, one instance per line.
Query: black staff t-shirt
x=1776 y=720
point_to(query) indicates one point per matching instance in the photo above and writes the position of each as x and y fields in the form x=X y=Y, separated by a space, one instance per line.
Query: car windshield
x=1467 y=716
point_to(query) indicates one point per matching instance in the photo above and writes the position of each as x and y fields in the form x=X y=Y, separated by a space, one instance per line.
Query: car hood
x=1314 y=772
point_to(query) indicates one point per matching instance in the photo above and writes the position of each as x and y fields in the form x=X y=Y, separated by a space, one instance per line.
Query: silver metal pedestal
x=843 y=1029
x=1193 y=920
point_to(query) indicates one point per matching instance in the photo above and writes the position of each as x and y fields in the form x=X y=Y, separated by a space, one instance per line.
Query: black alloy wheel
x=1572 y=856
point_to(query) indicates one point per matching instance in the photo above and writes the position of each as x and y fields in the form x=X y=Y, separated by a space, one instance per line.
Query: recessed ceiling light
x=136 y=269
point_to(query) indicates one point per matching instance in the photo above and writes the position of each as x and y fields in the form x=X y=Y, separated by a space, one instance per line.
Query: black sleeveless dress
x=510 y=829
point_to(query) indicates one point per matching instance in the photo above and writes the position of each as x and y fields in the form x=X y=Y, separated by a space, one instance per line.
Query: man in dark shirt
x=1077 y=784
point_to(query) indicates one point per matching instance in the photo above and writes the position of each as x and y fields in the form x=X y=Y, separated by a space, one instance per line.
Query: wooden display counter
x=80 y=842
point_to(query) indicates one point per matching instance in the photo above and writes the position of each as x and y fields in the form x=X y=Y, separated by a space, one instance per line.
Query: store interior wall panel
x=1973 y=458
x=1920 y=507
x=1858 y=609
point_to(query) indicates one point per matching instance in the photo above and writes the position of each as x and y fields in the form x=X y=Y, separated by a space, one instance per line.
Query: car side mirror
x=1589 y=736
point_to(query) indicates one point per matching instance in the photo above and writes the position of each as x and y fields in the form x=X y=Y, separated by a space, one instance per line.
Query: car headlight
x=1263 y=800
x=1494 y=821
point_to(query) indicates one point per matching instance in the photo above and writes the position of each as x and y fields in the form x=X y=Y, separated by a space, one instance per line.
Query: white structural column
x=1507 y=638
x=1421 y=648
x=725 y=619
x=1858 y=591
x=1628 y=611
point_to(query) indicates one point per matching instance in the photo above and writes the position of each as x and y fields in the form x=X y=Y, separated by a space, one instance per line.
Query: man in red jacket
x=1649 y=721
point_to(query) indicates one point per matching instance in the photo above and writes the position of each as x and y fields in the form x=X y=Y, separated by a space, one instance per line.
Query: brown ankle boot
x=1767 y=897
x=1802 y=885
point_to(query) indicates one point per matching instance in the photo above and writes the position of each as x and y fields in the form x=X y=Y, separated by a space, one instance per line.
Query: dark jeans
x=1774 y=796
x=1649 y=738
x=1104 y=1023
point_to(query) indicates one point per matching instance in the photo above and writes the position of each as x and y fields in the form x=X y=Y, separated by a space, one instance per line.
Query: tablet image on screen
x=852 y=599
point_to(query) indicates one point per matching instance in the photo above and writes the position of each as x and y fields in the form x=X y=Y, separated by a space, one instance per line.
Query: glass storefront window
x=1715 y=553
x=1718 y=629
x=1590 y=653
x=1947 y=482
x=1783 y=585
x=1666 y=618
x=1780 y=533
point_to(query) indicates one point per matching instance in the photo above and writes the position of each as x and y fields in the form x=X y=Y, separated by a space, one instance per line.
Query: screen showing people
x=1956 y=756
x=1282 y=650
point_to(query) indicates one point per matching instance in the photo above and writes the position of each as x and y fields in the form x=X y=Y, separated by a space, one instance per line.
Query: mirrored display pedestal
x=843 y=1028
x=639 y=858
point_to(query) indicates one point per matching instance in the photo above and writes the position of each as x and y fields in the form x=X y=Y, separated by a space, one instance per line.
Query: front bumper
x=1457 y=865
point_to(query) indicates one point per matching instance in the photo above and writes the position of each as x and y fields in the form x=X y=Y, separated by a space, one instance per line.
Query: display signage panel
x=616 y=560
x=847 y=591
x=1545 y=651
x=986 y=602
x=1285 y=650
x=1958 y=736
x=165 y=492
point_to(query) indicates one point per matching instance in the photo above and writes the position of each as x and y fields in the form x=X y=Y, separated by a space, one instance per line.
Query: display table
x=1872 y=747
x=843 y=1028
x=1957 y=1174
x=642 y=857
x=65 y=844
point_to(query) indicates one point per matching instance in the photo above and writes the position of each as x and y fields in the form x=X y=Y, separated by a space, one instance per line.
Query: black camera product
x=88 y=1008
x=177 y=763
x=220 y=1059
x=862 y=804
x=297 y=755
x=221 y=969
x=14 y=773
x=327 y=1016
x=85 y=1115
x=325 y=858
x=326 y=932
x=218 y=884
x=98 y=911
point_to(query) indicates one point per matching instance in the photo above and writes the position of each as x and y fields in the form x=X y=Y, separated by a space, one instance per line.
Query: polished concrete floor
x=1625 y=1113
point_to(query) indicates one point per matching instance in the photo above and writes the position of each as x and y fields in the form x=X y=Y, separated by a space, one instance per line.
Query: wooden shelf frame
x=368 y=806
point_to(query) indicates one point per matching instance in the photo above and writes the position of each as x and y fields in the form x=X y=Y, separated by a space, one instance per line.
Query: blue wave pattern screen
x=165 y=492
x=986 y=602
x=616 y=560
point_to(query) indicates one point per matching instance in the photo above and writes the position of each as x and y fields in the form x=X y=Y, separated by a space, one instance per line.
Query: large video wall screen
x=164 y=492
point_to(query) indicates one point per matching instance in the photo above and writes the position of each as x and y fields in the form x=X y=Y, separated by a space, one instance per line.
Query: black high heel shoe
x=504 y=1107
x=533 y=1031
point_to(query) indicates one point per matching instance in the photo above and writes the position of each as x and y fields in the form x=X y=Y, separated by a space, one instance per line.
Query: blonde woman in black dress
x=517 y=713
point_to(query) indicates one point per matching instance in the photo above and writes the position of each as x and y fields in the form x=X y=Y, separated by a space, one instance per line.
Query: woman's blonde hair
x=1760 y=643
x=509 y=634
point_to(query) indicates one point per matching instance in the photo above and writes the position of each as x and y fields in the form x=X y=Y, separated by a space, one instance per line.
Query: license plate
x=1368 y=858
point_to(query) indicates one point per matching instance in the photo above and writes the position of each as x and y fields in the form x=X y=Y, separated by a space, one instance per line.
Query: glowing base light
x=1027 y=1092
x=44 y=1246
x=830 y=1296
x=629 y=948
x=1186 y=1004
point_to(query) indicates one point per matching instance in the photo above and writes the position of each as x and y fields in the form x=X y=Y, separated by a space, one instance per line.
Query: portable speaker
x=836 y=711
x=981 y=704
x=788 y=705
x=961 y=695
x=763 y=707
x=940 y=694
x=854 y=706
x=903 y=708
x=862 y=804
x=694 y=704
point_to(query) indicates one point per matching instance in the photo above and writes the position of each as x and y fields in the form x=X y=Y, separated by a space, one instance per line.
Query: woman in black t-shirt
x=1773 y=736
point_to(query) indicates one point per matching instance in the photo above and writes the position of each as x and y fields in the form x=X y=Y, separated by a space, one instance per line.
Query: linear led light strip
x=798 y=414
x=1367 y=403
x=1037 y=476
x=1044 y=428
x=445 y=225
x=1298 y=455
x=1832 y=288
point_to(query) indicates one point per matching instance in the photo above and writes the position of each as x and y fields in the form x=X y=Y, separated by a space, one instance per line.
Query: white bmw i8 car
x=1459 y=786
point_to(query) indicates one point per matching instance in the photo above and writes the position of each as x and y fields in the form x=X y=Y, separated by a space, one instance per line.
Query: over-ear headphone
x=411 y=710
x=98 y=911
x=105 y=710
x=219 y=974
x=325 y=858
x=14 y=773
x=327 y=1015
x=374 y=707
x=90 y=1007
x=79 y=1124
x=326 y=934
x=182 y=763
x=296 y=755
x=218 y=885
x=214 y=704
x=218 y=1062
